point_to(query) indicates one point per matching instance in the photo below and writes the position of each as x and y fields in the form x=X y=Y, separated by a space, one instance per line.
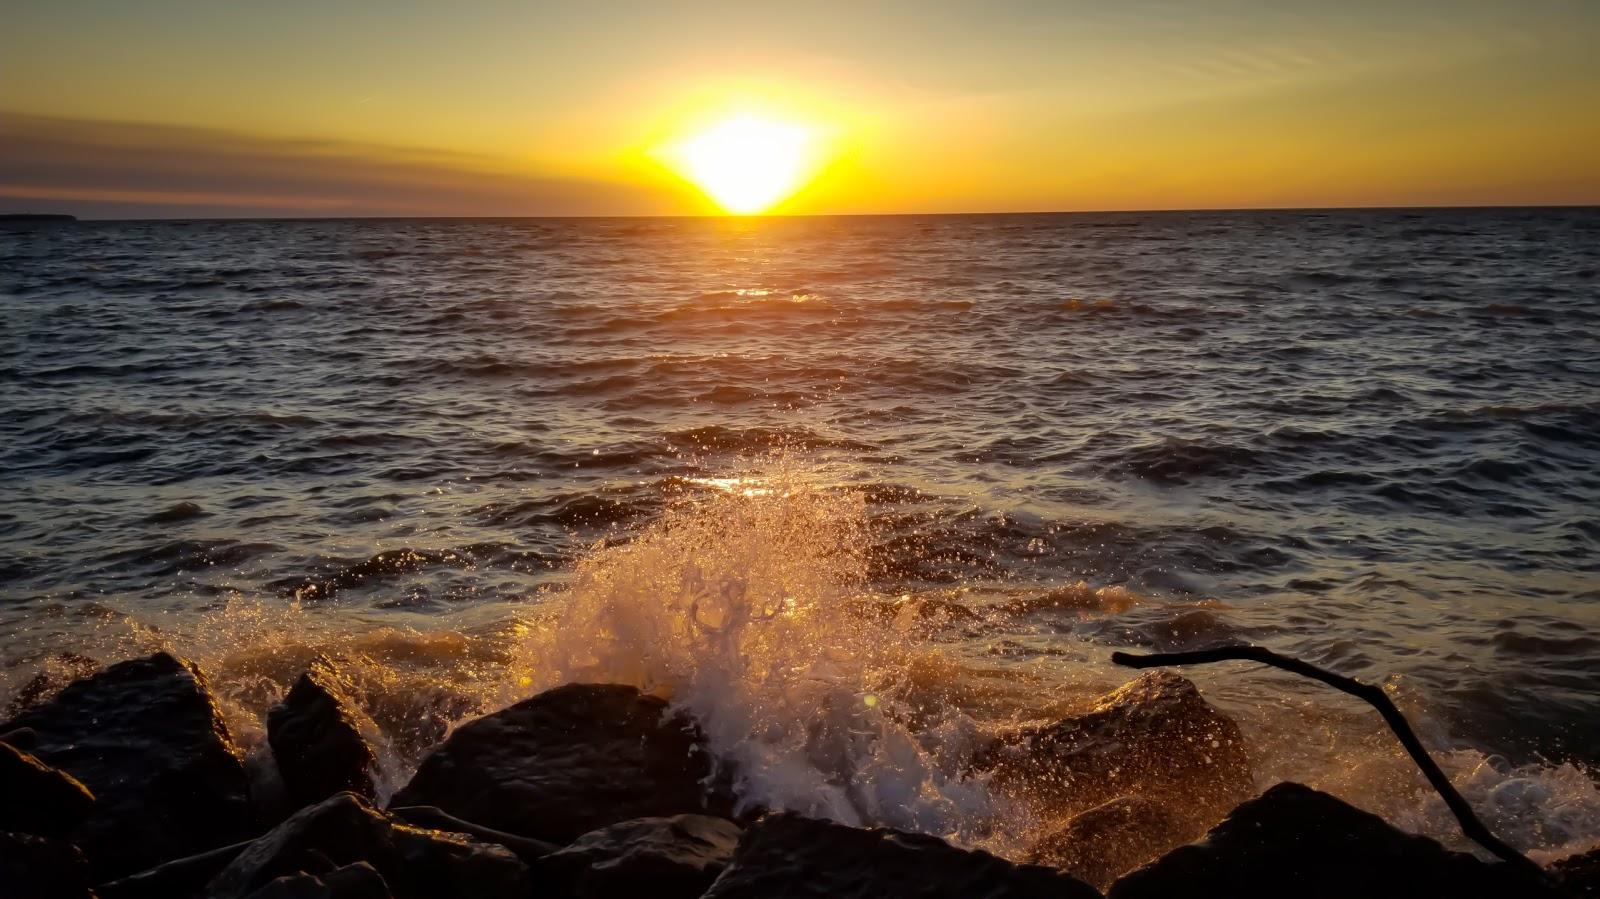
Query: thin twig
x=1378 y=699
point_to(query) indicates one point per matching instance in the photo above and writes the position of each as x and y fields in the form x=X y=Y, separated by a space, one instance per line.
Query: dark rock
x=566 y=762
x=345 y=830
x=39 y=799
x=35 y=867
x=1580 y=874
x=667 y=858
x=791 y=856
x=55 y=672
x=180 y=877
x=148 y=739
x=432 y=818
x=1155 y=736
x=1109 y=840
x=315 y=734
x=357 y=881
x=1296 y=841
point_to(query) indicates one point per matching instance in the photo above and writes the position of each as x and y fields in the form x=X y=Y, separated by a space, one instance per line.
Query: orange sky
x=498 y=108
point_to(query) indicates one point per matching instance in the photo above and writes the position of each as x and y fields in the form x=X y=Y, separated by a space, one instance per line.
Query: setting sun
x=746 y=163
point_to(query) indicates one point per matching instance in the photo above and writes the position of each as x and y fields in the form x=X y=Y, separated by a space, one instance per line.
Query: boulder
x=1580 y=874
x=667 y=858
x=346 y=829
x=147 y=738
x=357 y=881
x=35 y=867
x=792 y=856
x=315 y=734
x=568 y=761
x=1296 y=841
x=1155 y=737
x=1109 y=840
x=39 y=799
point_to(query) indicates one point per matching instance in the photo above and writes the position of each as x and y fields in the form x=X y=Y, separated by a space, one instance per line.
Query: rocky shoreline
x=128 y=784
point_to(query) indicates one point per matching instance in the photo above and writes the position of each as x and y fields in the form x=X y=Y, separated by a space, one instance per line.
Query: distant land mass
x=36 y=217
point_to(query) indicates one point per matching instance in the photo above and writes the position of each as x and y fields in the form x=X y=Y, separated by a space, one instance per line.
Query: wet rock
x=345 y=830
x=1296 y=841
x=315 y=734
x=35 y=867
x=1110 y=840
x=180 y=877
x=55 y=672
x=791 y=856
x=1580 y=874
x=568 y=761
x=146 y=737
x=1155 y=737
x=667 y=858
x=357 y=881
x=39 y=799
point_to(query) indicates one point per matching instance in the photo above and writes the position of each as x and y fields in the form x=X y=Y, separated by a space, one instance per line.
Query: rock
x=1155 y=736
x=148 y=739
x=346 y=829
x=1580 y=874
x=791 y=856
x=35 y=867
x=39 y=799
x=1296 y=841
x=1109 y=840
x=185 y=876
x=357 y=881
x=315 y=734
x=430 y=817
x=666 y=858
x=566 y=762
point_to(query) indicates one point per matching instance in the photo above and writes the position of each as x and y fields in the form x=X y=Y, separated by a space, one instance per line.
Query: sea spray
x=745 y=607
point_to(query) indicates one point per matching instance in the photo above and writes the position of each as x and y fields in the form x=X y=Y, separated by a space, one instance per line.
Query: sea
x=853 y=491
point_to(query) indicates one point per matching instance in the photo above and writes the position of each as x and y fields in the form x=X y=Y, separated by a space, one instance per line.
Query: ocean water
x=852 y=490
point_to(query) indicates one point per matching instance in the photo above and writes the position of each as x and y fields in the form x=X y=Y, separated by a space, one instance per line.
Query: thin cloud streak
x=133 y=170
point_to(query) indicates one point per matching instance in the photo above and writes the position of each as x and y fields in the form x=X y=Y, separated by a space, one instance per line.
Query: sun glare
x=747 y=163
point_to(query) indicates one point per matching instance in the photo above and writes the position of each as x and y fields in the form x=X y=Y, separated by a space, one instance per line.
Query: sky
x=172 y=108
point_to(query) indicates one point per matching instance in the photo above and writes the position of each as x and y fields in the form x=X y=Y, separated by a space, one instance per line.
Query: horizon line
x=1173 y=210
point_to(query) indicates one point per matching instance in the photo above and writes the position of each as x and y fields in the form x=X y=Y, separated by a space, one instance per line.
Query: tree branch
x=1378 y=699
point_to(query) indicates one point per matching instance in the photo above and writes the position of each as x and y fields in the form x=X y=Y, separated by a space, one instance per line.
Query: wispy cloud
x=125 y=169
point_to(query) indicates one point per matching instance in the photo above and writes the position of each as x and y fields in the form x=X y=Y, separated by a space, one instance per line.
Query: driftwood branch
x=1378 y=699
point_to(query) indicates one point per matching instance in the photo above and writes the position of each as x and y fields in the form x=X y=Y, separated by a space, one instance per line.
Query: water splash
x=745 y=608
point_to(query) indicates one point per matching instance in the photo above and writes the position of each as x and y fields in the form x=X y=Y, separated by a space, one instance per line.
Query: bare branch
x=1378 y=699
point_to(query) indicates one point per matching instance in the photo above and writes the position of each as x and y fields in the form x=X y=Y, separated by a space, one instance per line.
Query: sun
x=746 y=163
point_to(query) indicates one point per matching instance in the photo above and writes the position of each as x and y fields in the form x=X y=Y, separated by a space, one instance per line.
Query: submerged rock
x=1155 y=737
x=35 y=867
x=345 y=830
x=39 y=799
x=146 y=737
x=1109 y=840
x=667 y=858
x=357 y=881
x=792 y=856
x=569 y=761
x=1296 y=841
x=1580 y=874
x=315 y=734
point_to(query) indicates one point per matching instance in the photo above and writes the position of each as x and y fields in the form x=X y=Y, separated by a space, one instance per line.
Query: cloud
x=134 y=170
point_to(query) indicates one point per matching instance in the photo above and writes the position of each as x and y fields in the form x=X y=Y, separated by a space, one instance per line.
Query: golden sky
x=367 y=107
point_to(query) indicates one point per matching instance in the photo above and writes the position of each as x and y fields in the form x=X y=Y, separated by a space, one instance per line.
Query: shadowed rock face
x=1112 y=839
x=1296 y=841
x=34 y=867
x=315 y=734
x=1155 y=737
x=791 y=856
x=346 y=830
x=566 y=762
x=666 y=858
x=146 y=737
x=1580 y=874
x=39 y=799
x=357 y=881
